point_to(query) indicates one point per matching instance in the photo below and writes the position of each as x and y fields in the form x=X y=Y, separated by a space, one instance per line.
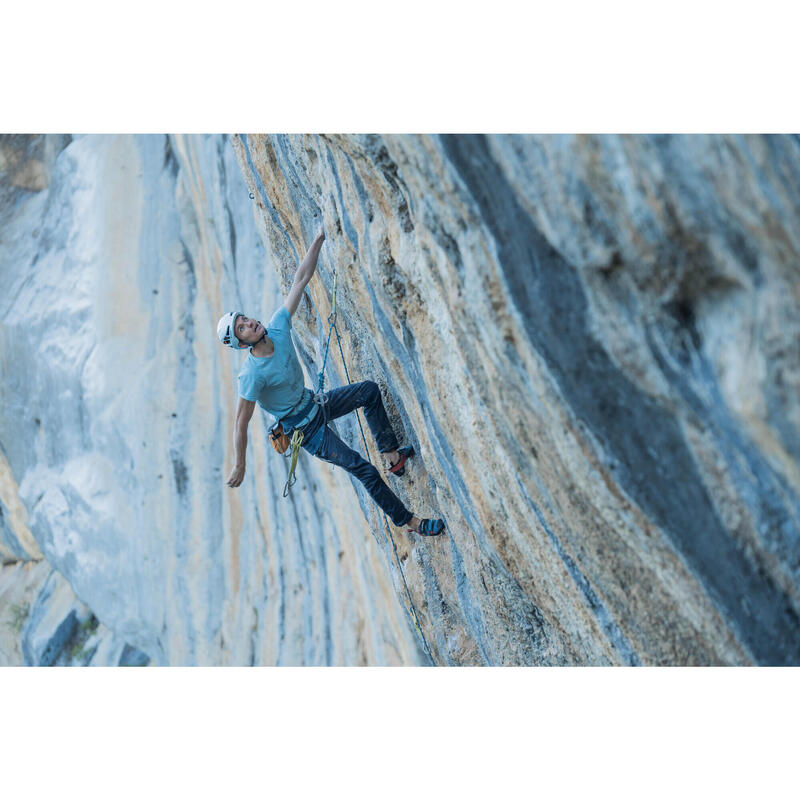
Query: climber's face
x=248 y=331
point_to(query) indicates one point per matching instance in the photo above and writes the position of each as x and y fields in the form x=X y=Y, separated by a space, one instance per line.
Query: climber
x=271 y=376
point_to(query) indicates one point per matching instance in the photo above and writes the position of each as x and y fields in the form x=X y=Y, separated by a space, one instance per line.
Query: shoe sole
x=405 y=453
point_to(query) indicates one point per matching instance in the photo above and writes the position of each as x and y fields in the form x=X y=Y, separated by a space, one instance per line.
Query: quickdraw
x=297 y=440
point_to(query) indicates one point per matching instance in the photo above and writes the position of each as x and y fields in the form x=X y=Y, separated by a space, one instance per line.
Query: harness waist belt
x=290 y=421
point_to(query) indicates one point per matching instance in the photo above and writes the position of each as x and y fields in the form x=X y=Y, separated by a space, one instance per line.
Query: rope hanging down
x=322 y=400
x=319 y=397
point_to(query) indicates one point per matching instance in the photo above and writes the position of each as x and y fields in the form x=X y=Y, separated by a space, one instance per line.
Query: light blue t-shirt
x=276 y=383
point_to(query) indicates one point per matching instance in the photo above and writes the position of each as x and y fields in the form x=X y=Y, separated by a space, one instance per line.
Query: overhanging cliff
x=593 y=343
x=590 y=341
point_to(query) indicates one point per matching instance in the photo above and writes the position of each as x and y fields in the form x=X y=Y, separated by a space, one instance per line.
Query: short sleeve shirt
x=275 y=383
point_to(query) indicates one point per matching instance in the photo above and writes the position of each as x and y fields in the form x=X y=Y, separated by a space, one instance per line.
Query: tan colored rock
x=590 y=341
x=518 y=298
x=14 y=522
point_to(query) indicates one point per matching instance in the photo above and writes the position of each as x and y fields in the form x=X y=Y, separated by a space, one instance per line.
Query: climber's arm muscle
x=295 y=293
x=244 y=412
x=304 y=273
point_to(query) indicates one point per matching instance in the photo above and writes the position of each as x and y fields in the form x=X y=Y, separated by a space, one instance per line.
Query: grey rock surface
x=595 y=341
x=591 y=342
x=42 y=623
x=117 y=399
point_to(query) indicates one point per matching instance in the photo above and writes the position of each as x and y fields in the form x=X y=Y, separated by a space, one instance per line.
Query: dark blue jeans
x=322 y=442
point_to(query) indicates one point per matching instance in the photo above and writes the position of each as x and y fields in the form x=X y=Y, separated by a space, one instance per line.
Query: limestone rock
x=42 y=623
x=591 y=342
x=117 y=402
x=20 y=584
x=16 y=540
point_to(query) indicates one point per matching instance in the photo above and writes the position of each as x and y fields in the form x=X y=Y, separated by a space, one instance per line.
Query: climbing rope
x=322 y=400
x=319 y=397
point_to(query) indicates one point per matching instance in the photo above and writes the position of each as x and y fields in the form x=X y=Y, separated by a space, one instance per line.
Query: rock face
x=44 y=624
x=591 y=342
x=117 y=401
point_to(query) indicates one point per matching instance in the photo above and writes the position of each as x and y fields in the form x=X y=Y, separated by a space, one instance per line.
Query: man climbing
x=271 y=376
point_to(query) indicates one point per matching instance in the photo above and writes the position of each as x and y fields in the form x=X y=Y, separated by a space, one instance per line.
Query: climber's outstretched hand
x=236 y=477
x=320 y=237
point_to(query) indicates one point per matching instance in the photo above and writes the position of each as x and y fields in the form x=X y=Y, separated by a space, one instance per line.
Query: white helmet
x=225 y=329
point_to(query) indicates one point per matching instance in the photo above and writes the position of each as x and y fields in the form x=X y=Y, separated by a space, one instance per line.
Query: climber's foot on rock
x=398 y=458
x=426 y=527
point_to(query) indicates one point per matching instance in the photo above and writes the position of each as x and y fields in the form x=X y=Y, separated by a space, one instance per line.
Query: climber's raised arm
x=304 y=273
x=244 y=411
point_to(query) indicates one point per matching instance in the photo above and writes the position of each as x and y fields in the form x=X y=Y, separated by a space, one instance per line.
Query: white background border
x=413 y=67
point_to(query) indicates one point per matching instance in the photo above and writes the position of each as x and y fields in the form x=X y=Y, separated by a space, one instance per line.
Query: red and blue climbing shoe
x=430 y=527
x=398 y=468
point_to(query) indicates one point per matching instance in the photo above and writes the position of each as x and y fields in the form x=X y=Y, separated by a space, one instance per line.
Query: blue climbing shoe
x=430 y=527
x=405 y=453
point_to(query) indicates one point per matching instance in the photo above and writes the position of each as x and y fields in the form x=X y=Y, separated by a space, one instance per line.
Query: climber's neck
x=264 y=348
